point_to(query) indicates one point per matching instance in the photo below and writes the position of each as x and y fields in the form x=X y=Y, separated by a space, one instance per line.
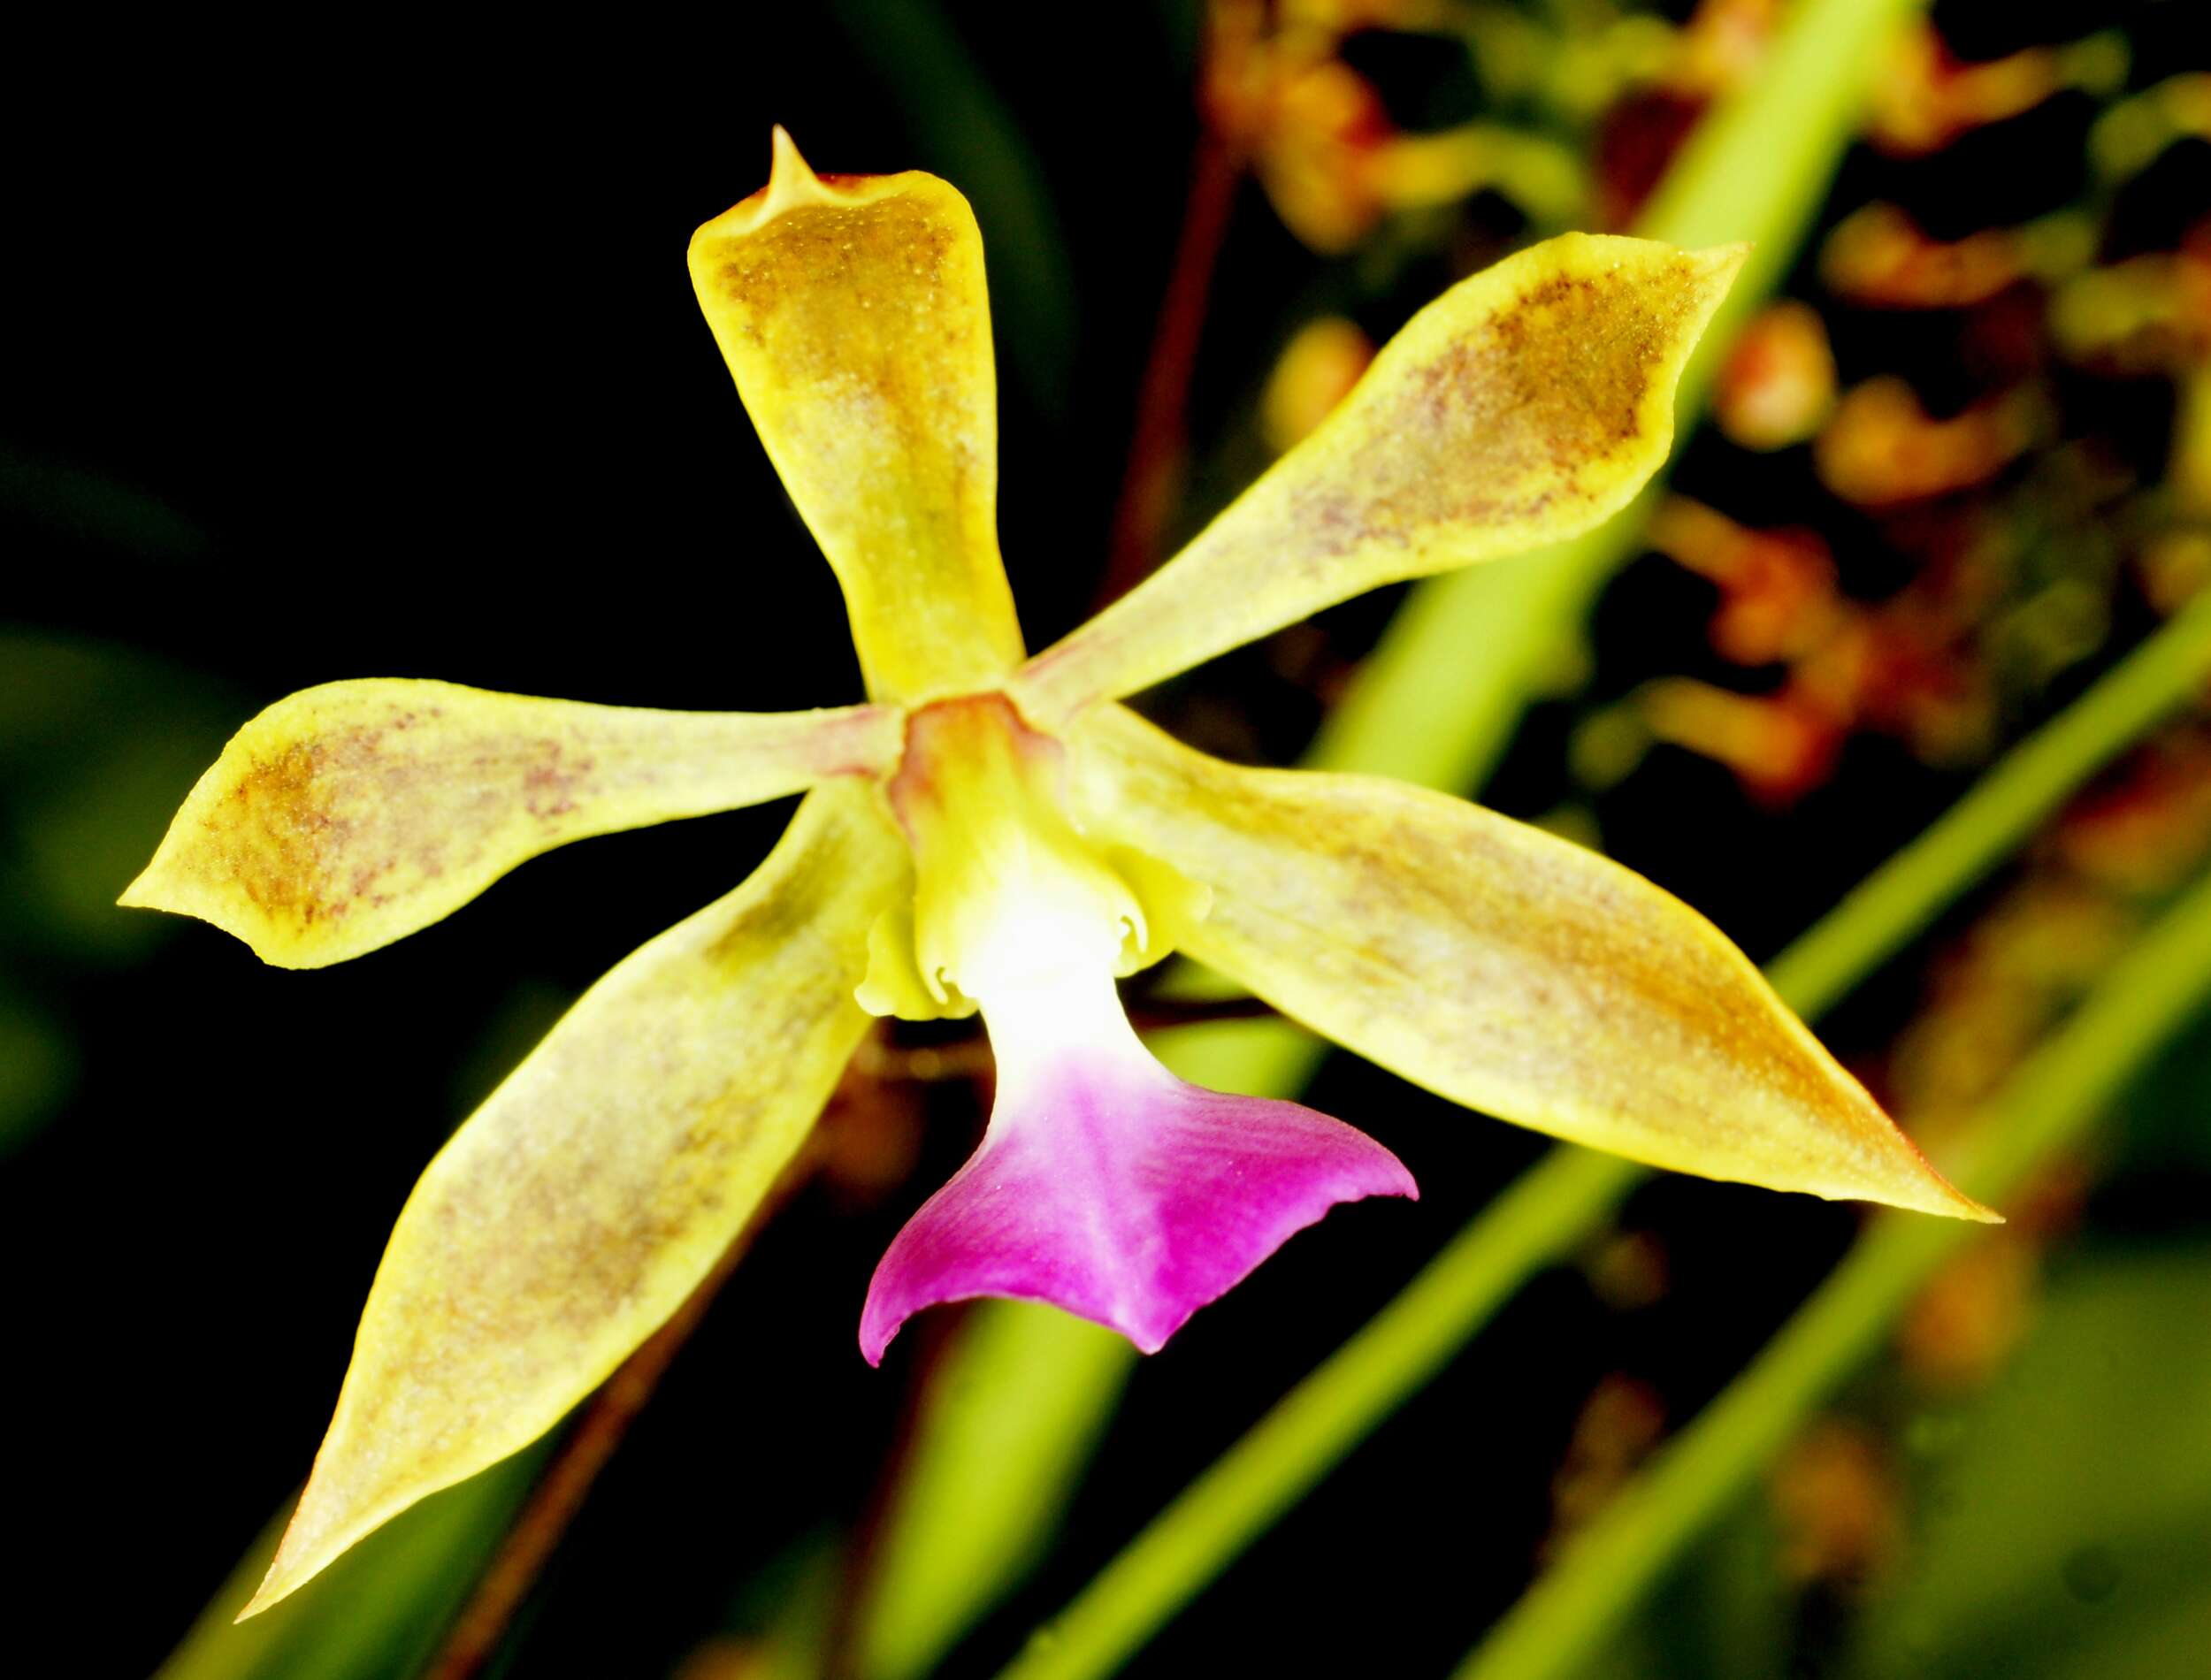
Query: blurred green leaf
x=376 y=1613
x=1722 y=1618
x=2163 y=1130
x=2064 y=1535
x=98 y=745
x=2043 y=1114
x=38 y=1068
x=998 y=1444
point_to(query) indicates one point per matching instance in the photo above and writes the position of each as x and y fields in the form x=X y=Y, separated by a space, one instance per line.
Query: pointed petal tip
x=156 y=886
x=791 y=181
x=1723 y=267
x=878 y=1330
x=785 y=160
x=1949 y=1202
x=1922 y=1187
x=156 y=890
x=322 y=1530
x=1912 y=1185
x=1945 y=1203
x=288 y=1573
x=1715 y=268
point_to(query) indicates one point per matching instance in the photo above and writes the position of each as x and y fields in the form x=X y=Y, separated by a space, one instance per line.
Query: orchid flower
x=995 y=832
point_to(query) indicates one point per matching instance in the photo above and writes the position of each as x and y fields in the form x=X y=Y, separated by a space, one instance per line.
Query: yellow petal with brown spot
x=1500 y=966
x=577 y=1208
x=1524 y=405
x=853 y=312
x=349 y=815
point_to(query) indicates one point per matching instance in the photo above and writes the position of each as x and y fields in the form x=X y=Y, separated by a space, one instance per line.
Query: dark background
x=361 y=345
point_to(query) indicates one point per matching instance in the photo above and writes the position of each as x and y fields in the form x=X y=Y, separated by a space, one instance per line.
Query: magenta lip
x=1120 y=1194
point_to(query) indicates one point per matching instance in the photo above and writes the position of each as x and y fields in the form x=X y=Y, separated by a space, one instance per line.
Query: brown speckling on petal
x=857 y=328
x=1527 y=404
x=585 y=1199
x=1502 y=968
x=351 y=814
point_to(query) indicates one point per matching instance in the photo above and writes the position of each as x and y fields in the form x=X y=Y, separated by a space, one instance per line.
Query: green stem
x=1878 y=916
x=1565 y=1619
x=1556 y=1207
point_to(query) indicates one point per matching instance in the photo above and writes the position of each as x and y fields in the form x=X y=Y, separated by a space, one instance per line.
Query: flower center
x=1009 y=895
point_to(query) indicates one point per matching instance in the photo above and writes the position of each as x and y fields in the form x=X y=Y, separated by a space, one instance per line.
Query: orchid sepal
x=1526 y=405
x=1502 y=968
x=853 y=314
x=349 y=815
x=574 y=1211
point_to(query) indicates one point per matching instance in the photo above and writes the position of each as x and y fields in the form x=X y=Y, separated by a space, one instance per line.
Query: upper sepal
x=853 y=314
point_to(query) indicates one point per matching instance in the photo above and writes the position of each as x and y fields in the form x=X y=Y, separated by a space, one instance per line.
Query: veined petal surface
x=575 y=1211
x=853 y=312
x=1109 y=1187
x=1502 y=968
x=1526 y=404
x=349 y=815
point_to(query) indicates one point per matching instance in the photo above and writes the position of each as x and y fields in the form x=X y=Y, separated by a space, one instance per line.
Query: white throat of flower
x=1012 y=902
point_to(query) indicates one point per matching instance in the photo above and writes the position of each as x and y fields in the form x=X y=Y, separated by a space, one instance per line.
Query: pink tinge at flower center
x=1105 y=1184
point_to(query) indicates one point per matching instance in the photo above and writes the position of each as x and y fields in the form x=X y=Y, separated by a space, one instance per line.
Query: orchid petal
x=347 y=816
x=853 y=313
x=1109 y=1187
x=1501 y=967
x=575 y=1209
x=1527 y=404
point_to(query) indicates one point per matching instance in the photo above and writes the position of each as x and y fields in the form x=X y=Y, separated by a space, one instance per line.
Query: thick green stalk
x=1556 y=1207
x=2159 y=988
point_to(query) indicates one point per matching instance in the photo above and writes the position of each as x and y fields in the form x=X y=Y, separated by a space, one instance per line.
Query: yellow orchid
x=994 y=831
